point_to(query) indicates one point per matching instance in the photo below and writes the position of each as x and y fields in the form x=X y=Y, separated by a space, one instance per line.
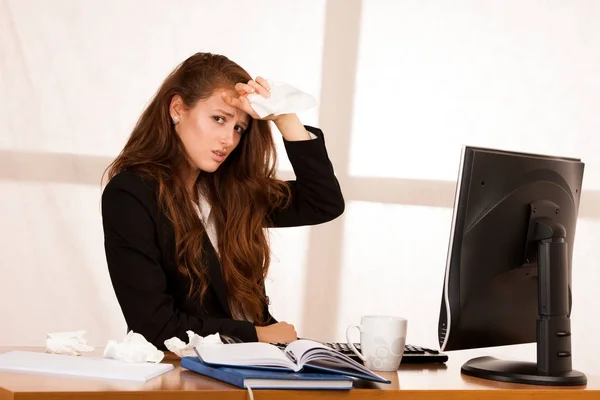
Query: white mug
x=382 y=340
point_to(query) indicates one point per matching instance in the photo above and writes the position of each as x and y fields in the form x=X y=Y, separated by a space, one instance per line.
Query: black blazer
x=139 y=243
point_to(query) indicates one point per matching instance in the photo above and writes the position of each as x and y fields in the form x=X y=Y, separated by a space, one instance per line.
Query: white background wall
x=402 y=85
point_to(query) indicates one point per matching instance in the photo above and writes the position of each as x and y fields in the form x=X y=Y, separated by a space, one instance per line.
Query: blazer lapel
x=215 y=274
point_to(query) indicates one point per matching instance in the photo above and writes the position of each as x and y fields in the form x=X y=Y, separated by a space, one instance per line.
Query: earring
x=175 y=119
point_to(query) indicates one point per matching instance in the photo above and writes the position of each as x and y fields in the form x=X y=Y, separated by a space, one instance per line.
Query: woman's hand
x=288 y=124
x=259 y=86
x=281 y=332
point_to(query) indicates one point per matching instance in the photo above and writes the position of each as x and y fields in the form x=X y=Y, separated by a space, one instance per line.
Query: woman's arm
x=291 y=128
x=316 y=196
x=140 y=284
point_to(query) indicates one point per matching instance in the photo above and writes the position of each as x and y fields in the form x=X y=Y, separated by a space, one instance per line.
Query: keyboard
x=412 y=354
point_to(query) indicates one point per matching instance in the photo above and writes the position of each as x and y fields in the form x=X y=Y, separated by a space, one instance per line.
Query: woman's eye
x=218 y=119
x=239 y=129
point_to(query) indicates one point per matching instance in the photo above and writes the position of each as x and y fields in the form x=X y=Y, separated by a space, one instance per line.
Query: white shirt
x=203 y=210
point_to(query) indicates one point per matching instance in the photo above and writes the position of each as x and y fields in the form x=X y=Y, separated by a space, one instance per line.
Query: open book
x=297 y=356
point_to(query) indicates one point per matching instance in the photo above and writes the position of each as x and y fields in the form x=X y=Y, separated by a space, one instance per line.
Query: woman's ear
x=176 y=108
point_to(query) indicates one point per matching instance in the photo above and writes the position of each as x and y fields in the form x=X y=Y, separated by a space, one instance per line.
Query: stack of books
x=303 y=364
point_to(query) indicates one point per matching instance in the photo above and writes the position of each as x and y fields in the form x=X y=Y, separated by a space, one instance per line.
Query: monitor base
x=519 y=372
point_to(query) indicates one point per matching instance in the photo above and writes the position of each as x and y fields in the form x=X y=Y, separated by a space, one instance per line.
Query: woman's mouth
x=219 y=155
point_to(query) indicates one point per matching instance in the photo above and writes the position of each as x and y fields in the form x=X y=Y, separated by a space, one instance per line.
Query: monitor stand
x=553 y=367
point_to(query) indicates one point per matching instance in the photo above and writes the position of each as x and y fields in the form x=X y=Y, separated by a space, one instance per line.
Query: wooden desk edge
x=242 y=394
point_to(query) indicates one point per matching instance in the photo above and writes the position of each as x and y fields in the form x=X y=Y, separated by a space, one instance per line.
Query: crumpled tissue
x=284 y=99
x=134 y=348
x=70 y=343
x=181 y=349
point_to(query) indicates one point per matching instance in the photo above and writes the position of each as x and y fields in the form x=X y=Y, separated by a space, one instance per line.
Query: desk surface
x=414 y=382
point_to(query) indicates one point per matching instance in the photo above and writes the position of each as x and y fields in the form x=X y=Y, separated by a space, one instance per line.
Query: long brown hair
x=241 y=192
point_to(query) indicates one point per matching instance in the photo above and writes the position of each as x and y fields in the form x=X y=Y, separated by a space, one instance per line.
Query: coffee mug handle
x=350 y=341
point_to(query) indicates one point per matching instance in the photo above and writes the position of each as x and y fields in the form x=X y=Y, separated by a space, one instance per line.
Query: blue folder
x=244 y=377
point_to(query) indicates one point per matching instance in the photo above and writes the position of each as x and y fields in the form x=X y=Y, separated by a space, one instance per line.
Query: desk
x=410 y=382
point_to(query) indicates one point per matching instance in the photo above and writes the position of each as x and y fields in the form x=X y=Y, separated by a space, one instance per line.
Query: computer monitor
x=508 y=271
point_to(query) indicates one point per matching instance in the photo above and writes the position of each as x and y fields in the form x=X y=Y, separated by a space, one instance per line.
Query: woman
x=189 y=198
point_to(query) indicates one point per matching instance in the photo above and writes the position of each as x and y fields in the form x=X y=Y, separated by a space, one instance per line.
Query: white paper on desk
x=134 y=348
x=182 y=349
x=81 y=366
x=72 y=343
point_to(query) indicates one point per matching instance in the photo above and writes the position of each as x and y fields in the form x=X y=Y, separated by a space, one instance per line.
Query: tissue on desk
x=181 y=349
x=134 y=348
x=284 y=99
x=70 y=343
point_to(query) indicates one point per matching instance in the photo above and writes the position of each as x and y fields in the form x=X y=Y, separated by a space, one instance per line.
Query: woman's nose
x=227 y=139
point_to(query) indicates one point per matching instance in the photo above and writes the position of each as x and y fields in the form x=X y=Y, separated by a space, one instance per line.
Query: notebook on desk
x=244 y=377
x=29 y=361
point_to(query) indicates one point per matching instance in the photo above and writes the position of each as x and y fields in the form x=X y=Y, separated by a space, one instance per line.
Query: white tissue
x=284 y=99
x=181 y=349
x=134 y=348
x=70 y=343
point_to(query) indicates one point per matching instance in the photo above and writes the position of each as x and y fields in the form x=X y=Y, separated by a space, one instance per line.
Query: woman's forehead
x=215 y=101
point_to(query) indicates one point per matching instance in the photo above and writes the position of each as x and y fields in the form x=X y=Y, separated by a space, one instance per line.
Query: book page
x=299 y=347
x=316 y=355
x=255 y=354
